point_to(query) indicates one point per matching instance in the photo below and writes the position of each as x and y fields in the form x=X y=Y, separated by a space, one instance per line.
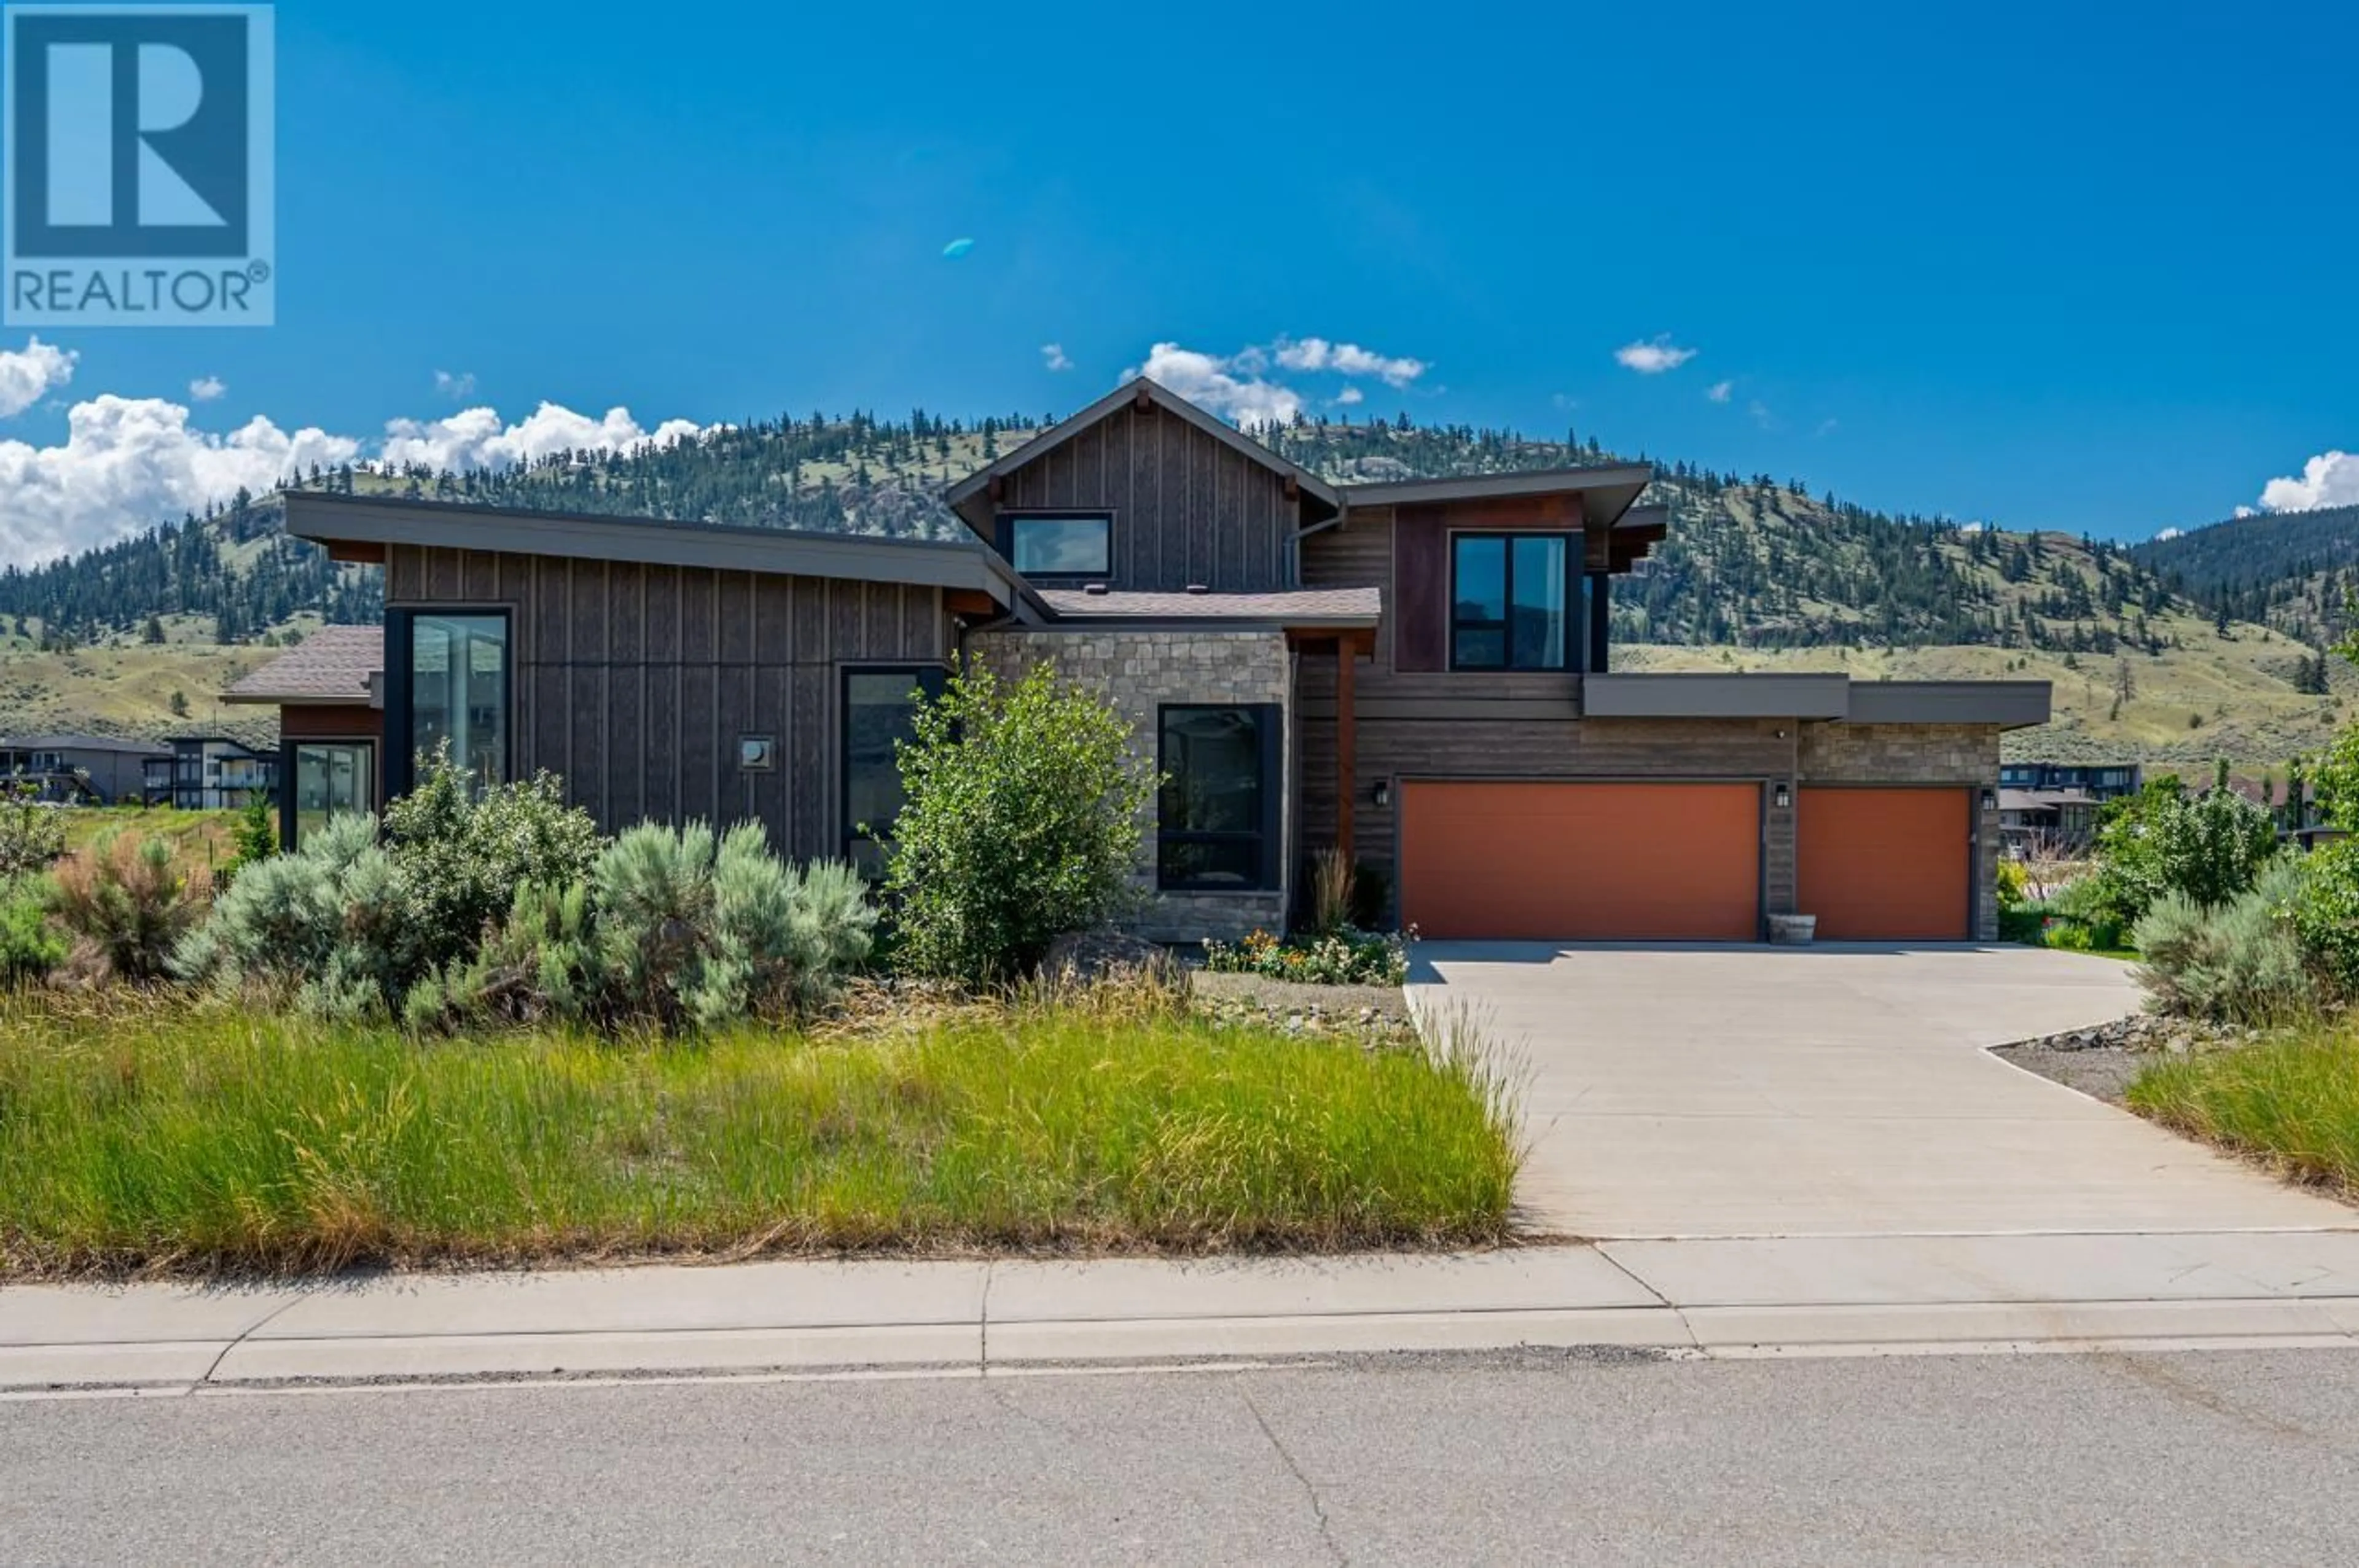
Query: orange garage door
x=1888 y=865
x=1597 y=863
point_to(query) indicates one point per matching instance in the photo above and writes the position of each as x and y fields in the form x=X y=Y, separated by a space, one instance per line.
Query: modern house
x=2036 y=821
x=81 y=767
x=1416 y=673
x=2099 y=781
x=219 y=772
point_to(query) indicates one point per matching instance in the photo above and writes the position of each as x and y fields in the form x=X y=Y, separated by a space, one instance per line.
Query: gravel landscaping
x=2102 y=1061
x=1378 y=1009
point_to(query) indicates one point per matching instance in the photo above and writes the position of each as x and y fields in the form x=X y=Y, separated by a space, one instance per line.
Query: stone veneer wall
x=1139 y=671
x=1963 y=754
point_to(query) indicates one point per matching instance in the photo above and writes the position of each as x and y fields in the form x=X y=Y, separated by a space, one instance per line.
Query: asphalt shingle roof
x=332 y=665
x=1316 y=604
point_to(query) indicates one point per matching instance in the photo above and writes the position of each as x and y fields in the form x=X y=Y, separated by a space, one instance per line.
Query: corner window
x=451 y=683
x=880 y=709
x=1061 y=545
x=1508 y=598
x=1217 y=822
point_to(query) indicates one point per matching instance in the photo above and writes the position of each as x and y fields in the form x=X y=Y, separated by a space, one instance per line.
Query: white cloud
x=1653 y=357
x=1054 y=357
x=1720 y=391
x=27 y=373
x=128 y=463
x=2329 y=478
x=1761 y=414
x=1828 y=427
x=2248 y=512
x=1210 y=381
x=457 y=388
x=1239 y=387
x=474 y=438
x=2169 y=534
x=1973 y=527
x=1346 y=359
x=206 y=388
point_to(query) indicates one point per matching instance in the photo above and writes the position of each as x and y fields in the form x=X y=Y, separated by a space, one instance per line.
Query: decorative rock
x=1089 y=958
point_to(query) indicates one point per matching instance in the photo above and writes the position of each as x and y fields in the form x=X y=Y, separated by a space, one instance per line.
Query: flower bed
x=1342 y=958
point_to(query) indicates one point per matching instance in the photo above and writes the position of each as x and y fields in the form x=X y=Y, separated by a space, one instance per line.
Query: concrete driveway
x=1823 y=1091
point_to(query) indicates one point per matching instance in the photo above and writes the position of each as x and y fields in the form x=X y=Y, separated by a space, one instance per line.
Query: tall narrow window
x=458 y=687
x=880 y=708
x=1217 y=821
x=1508 y=601
x=1060 y=544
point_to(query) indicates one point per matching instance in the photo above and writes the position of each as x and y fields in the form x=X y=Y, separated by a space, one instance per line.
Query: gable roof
x=966 y=492
x=332 y=665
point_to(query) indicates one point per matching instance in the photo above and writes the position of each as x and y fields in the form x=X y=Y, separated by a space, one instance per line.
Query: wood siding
x=633 y=682
x=1187 y=509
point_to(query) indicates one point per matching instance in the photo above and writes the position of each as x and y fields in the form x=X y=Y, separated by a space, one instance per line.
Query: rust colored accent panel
x=336 y=721
x=1420 y=606
x=1587 y=862
x=1884 y=865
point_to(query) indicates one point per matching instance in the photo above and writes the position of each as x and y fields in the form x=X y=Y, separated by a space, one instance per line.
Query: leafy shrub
x=2209 y=847
x=1372 y=894
x=2090 y=916
x=460 y=851
x=2024 y=921
x=2014 y=885
x=1022 y=823
x=32 y=835
x=695 y=930
x=2325 y=912
x=29 y=946
x=2237 y=963
x=124 y=906
x=1342 y=958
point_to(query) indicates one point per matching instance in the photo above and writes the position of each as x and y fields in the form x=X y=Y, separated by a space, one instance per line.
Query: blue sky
x=2078 y=267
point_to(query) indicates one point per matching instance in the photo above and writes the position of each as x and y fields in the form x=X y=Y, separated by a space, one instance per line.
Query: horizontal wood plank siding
x=633 y=682
x=1188 y=508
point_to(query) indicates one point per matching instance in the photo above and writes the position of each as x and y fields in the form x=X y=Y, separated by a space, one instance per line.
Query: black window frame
x=1007 y=521
x=1573 y=622
x=1269 y=719
x=290 y=749
x=400 y=762
x=932 y=679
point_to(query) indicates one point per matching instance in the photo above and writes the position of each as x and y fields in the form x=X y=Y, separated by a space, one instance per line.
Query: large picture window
x=880 y=708
x=450 y=685
x=1067 y=544
x=1508 y=598
x=1217 y=822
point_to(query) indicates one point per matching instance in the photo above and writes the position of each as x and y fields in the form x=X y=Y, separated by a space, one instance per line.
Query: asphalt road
x=2243 y=1458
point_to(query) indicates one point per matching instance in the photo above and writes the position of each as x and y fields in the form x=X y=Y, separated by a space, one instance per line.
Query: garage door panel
x=1582 y=862
x=1884 y=865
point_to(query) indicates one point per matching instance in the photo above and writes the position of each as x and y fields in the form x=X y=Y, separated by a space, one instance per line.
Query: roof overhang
x=2005 y=705
x=366 y=524
x=971 y=497
x=1607 y=492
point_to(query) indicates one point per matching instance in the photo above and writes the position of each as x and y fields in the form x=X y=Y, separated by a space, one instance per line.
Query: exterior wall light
x=1990 y=800
x=1782 y=794
x=1383 y=794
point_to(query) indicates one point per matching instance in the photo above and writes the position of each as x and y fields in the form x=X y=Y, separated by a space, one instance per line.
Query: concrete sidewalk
x=1713 y=1297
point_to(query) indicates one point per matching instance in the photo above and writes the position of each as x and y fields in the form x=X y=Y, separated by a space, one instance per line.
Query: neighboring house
x=217 y=772
x=1416 y=673
x=2054 y=820
x=2099 y=781
x=75 y=767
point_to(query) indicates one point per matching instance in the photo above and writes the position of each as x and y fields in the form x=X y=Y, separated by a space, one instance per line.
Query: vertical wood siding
x=633 y=682
x=1188 y=508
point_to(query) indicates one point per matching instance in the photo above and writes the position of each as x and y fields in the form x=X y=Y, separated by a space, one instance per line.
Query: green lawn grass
x=149 y=1136
x=2292 y=1099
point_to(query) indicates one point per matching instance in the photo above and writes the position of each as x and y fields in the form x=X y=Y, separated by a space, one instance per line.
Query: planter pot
x=1793 y=930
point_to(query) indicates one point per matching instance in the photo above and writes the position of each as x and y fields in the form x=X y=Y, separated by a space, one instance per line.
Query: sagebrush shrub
x=538 y=964
x=2236 y=963
x=124 y=907
x=1022 y=822
x=331 y=926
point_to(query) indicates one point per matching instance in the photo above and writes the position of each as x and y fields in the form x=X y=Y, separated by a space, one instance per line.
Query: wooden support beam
x=1347 y=744
x=1144 y=401
x=969 y=601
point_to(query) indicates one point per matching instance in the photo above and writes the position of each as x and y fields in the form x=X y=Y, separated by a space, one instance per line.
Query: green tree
x=1022 y=823
x=153 y=632
x=179 y=704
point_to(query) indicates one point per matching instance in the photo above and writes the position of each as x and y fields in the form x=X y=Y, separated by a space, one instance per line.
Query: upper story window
x=1508 y=599
x=449 y=686
x=1058 y=543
